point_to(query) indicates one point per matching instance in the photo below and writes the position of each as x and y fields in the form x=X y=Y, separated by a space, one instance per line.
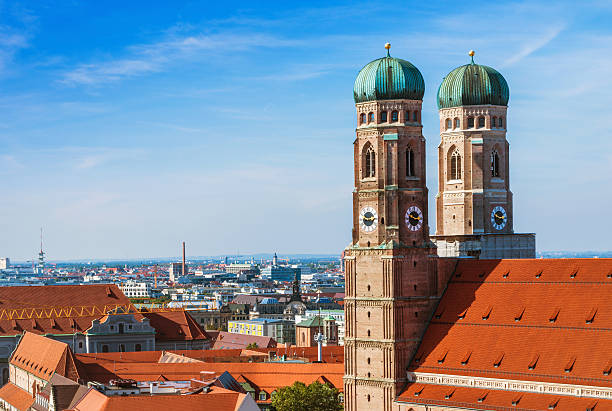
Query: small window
x=105 y=348
x=470 y=122
x=394 y=116
x=383 y=117
x=370 y=117
x=407 y=116
x=457 y=123
x=409 y=163
x=263 y=396
x=500 y=122
x=494 y=164
x=449 y=123
x=533 y=362
x=493 y=122
x=138 y=347
x=362 y=118
x=481 y=122
x=370 y=162
x=80 y=344
x=455 y=165
x=415 y=116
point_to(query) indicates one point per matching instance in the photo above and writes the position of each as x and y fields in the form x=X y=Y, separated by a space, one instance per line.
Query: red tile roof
x=175 y=325
x=217 y=399
x=43 y=356
x=227 y=340
x=481 y=399
x=536 y=320
x=59 y=296
x=18 y=398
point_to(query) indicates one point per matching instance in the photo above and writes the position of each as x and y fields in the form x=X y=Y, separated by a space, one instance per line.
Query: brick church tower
x=474 y=202
x=390 y=266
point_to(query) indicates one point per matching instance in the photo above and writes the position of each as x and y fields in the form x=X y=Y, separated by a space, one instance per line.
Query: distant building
x=283 y=331
x=176 y=270
x=133 y=289
x=5 y=263
x=280 y=273
x=235 y=268
x=337 y=315
x=228 y=341
x=306 y=330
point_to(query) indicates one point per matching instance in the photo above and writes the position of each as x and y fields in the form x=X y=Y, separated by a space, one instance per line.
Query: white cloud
x=533 y=45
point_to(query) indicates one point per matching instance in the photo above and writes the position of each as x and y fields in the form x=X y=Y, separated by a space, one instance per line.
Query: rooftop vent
x=487 y=313
x=538 y=275
x=442 y=357
x=449 y=394
x=482 y=396
x=534 y=361
x=516 y=400
x=498 y=360
x=462 y=314
x=574 y=274
x=591 y=316
x=506 y=274
x=519 y=315
x=466 y=358
x=555 y=314
x=608 y=368
x=418 y=391
x=553 y=404
x=570 y=364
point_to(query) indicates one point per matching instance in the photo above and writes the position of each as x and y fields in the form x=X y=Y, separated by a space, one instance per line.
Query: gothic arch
x=410 y=158
x=496 y=161
x=454 y=167
x=368 y=160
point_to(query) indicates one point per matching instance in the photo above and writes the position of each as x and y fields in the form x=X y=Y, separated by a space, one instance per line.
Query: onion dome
x=388 y=78
x=473 y=85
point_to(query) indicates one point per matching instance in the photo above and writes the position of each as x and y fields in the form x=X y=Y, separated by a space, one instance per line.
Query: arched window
x=456 y=122
x=500 y=122
x=362 y=118
x=263 y=396
x=394 y=116
x=415 y=116
x=449 y=124
x=493 y=122
x=494 y=164
x=383 y=116
x=455 y=165
x=370 y=117
x=470 y=122
x=481 y=122
x=409 y=162
x=369 y=162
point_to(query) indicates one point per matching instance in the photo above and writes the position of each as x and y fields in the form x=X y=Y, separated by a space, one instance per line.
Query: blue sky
x=128 y=127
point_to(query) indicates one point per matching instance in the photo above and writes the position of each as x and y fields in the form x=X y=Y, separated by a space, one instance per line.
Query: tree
x=300 y=397
x=252 y=345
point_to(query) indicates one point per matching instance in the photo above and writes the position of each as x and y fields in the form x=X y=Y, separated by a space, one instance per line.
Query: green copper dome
x=473 y=85
x=388 y=78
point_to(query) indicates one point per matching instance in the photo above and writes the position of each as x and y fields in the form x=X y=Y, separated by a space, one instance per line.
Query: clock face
x=414 y=218
x=368 y=219
x=498 y=217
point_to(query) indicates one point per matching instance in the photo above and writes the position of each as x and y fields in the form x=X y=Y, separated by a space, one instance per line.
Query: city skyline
x=232 y=128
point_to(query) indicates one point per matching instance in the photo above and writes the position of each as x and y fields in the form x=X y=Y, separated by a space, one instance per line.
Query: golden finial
x=388 y=46
x=471 y=53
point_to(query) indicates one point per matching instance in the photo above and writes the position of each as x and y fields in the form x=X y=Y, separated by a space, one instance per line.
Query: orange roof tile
x=539 y=320
x=175 y=325
x=43 y=356
x=18 y=298
x=18 y=398
x=217 y=399
x=482 y=399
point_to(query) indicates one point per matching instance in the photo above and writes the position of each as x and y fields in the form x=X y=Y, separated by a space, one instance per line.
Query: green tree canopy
x=300 y=397
x=252 y=345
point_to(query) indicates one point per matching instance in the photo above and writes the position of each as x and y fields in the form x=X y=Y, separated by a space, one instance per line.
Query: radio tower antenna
x=41 y=255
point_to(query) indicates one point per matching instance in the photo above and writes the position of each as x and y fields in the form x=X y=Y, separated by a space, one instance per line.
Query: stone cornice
x=511 y=385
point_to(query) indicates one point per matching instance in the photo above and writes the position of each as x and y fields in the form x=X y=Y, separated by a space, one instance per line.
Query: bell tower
x=474 y=202
x=390 y=270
